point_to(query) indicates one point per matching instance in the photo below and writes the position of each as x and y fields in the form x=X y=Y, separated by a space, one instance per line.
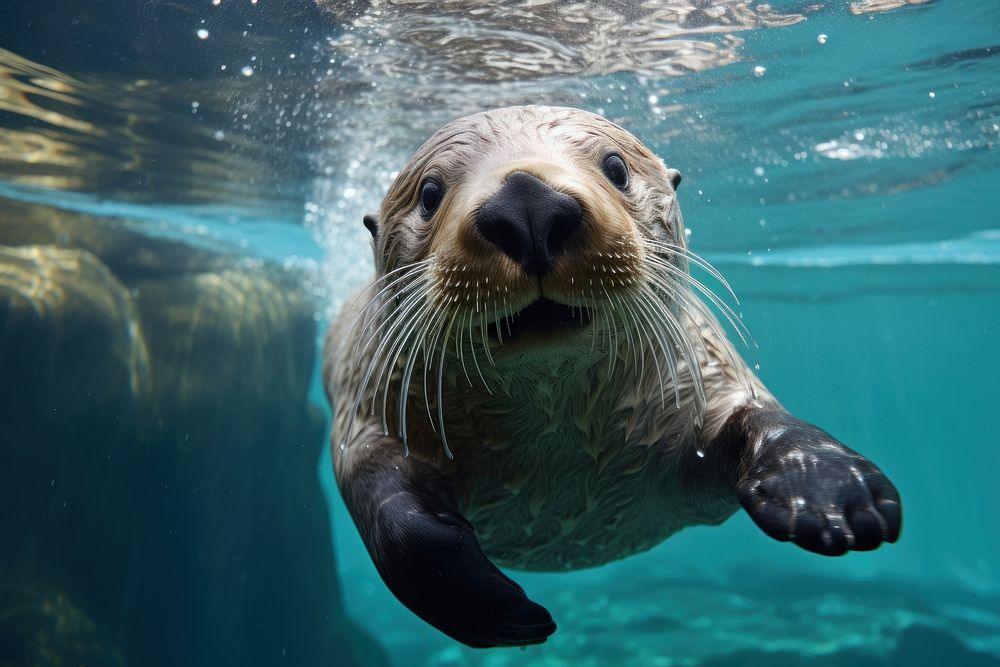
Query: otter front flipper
x=798 y=483
x=429 y=557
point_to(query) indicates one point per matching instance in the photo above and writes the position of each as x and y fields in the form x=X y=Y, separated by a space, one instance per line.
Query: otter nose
x=529 y=221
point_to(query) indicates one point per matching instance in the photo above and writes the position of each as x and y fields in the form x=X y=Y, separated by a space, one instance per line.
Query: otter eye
x=431 y=194
x=616 y=171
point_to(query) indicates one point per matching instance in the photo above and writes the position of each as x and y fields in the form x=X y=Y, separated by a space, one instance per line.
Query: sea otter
x=531 y=380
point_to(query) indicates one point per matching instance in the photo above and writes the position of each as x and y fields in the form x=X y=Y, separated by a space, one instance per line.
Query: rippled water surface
x=841 y=166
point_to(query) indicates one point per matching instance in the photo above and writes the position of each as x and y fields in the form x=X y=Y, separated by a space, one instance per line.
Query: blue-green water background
x=868 y=271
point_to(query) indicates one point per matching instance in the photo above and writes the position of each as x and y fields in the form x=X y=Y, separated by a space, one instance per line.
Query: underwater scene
x=183 y=188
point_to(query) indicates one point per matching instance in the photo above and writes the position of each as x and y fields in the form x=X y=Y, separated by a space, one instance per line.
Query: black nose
x=529 y=221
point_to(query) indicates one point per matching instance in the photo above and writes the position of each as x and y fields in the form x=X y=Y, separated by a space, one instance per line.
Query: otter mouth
x=543 y=318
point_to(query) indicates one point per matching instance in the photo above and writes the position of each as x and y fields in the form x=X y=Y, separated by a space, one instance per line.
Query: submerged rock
x=68 y=343
x=43 y=628
x=158 y=453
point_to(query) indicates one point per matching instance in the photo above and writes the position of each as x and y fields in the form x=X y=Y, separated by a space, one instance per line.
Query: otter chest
x=567 y=499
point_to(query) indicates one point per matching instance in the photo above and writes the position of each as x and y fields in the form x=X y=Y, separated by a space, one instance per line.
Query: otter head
x=524 y=235
x=532 y=219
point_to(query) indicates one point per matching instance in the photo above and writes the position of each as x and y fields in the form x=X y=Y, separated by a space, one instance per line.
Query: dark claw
x=892 y=512
x=867 y=526
x=770 y=516
x=819 y=534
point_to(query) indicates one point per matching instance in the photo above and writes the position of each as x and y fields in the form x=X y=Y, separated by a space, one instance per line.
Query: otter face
x=528 y=235
x=531 y=219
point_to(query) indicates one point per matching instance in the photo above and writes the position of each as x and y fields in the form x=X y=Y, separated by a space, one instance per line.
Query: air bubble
x=821 y=38
x=759 y=70
x=202 y=33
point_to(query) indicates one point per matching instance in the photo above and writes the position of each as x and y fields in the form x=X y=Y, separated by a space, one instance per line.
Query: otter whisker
x=486 y=343
x=396 y=318
x=496 y=311
x=735 y=361
x=678 y=333
x=608 y=322
x=734 y=320
x=629 y=348
x=382 y=315
x=677 y=272
x=404 y=386
x=635 y=341
x=660 y=293
x=460 y=348
x=653 y=315
x=475 y=358
x=400 y=333
x=416 y=349
x=637 y=358
x=407 y=270
x=398 y=349
x=429 y=359
x=671 y=364
x=606 y=340
x=699 y=261
x=430 y=351
x=684 y=355
x=613 y=352
x=507 y=314
x=593 y=329
x=440 y=383
x=377 y=316
x=386 y=319
x=403 y=271
x=688 y=301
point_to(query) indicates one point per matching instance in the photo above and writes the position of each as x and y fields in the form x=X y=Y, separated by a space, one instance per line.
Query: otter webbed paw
x=430 y=559
x=804 y=486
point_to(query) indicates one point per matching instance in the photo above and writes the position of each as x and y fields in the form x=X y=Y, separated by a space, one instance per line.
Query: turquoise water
x=841 y=168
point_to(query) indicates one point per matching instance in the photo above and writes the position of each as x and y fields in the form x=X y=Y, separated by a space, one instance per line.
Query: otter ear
x=674 y=176
x=371 y=222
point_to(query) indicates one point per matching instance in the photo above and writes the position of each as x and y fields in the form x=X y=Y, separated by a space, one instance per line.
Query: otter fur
x=533 y=380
